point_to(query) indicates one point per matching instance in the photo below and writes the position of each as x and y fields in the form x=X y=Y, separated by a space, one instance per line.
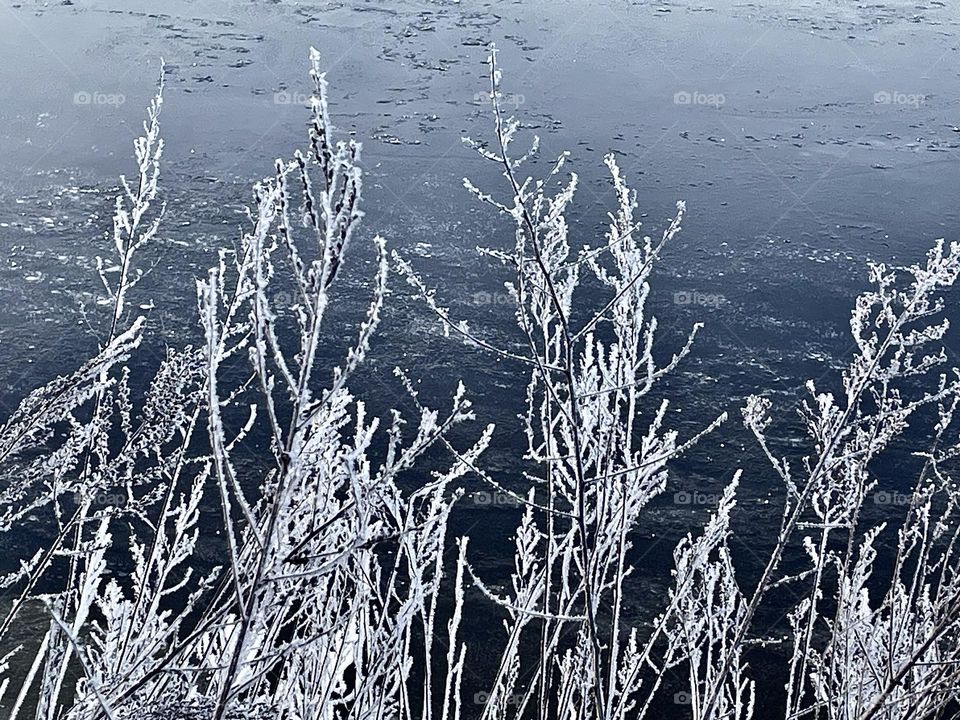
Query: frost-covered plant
x=598 y=456
x=894 y=657
x=78 y=447
x=334 y=568
x=330 y=602
x=328 y=597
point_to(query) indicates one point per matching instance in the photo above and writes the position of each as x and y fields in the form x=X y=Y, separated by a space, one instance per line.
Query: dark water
x=806 y=138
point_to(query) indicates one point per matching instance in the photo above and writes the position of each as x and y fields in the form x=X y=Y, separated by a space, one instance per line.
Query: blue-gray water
x=806 y=137
x=817 y=134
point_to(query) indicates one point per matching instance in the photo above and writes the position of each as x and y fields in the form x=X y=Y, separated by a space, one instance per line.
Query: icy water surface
x=806 y=137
